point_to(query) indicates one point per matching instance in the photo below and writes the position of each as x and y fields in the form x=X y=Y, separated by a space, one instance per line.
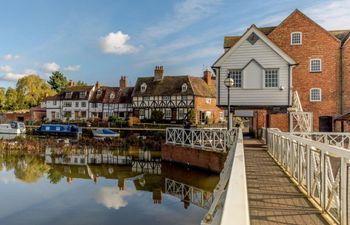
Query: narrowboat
x=12 y=128
x=104 y=133
x=59 y=129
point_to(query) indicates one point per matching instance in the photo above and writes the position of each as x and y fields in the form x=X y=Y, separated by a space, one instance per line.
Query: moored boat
x=59 y=129
x=12 y=128
x=104 y=133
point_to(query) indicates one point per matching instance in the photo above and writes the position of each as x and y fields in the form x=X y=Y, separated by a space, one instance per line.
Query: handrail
x=339 y=139
x=230 y=195
x=319 y=169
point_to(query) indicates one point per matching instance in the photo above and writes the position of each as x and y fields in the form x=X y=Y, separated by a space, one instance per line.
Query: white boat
x=105 y=133
x=12 y=128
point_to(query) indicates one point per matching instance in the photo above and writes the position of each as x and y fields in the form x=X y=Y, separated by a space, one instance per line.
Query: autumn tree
x=58 y=81
x=81 y=83
x=11 y=99
x=31 y=90
x=2 y=98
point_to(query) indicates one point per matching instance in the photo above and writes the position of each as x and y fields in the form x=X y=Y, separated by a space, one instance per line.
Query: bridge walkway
x=273 y=197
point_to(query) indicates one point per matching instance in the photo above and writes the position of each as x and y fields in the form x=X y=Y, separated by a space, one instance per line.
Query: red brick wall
x=279 y=121
x=316 y=43
x=261 y=120
x=346 y=77
x=201 y=105
x=213 y=161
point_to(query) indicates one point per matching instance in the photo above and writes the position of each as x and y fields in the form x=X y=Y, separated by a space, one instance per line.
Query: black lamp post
x=229 y=82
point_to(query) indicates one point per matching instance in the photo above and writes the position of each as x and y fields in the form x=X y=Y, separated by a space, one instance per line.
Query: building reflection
x=142 y=169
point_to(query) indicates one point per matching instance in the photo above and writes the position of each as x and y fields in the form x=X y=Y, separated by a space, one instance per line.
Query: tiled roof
x=121 y=95
x=341 y=35
x=172 y=85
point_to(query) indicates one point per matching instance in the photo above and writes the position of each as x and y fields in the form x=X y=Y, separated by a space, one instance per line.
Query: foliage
x=11 y=99
x=2 y=98
x=54 y=175
x=81 y=83
x=157 y=116
x=191 y=116
x=58 y=81
x=206 y=119
x=31 y=90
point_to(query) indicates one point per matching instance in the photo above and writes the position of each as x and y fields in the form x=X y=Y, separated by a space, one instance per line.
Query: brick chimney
x=97 y=85
x=158 y=73
x=123 y=82
x=71 y=83
x=208 y=77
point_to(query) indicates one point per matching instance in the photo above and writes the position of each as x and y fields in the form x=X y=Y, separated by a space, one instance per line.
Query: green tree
x=58 y=81
x=11 y=99
x=31 y=90
x=157 y=116
x=2 y=98
x=191 y=116
x=81 y=83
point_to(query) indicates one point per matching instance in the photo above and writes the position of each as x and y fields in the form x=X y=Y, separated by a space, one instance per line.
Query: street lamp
x=229 y=82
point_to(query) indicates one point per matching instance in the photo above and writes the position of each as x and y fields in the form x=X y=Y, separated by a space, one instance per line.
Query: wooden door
x=325 y=124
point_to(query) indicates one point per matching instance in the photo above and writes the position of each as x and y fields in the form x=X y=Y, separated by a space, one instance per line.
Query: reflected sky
x=61 y=190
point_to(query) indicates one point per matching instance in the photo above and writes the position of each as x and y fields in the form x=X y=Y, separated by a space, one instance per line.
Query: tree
x=58 y=81
x=31 y=90
x=81 y=83
x=157 y=116
x=2 y=98
x=11 y=99
x=191 y=116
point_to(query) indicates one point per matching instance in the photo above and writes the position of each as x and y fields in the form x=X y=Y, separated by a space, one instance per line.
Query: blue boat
x=59 y=129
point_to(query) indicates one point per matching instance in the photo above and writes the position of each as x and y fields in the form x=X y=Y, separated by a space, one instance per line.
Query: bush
x=157 y=116
x=191 y=116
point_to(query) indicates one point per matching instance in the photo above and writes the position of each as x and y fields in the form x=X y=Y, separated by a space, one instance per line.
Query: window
x=236 y=75
x=76 y=104
x=94 y=105
x=142 y=113
x=184 y=87
x=181 y=113
x=167 y=113
x=146 y=98
x=143 y=87
x=68 y=95
x=99 y=93
x=54 y=102
x=112 y=96
x=83 y=104
x=315 y=65
x=315 y=95
x=296 y=38
x=82 y=94
x=68 y=114
x=67 y=104
x=184 y=98
x=83 y=114
x=271 y=78
x=208 y=100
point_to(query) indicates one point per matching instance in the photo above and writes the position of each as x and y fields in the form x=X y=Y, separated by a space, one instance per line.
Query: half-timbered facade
x=175 y=96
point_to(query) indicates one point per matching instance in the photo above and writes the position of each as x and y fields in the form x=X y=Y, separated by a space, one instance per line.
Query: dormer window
x=99 y=93
x=112 y=96
x=68 y=95
x=296 y=38
x=143 y=87
x=82 y=94
x=184 y=87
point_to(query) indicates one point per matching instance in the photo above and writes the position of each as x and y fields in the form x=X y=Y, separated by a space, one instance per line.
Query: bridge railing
x=331 y=138
x=320 y=170
x=230 y=203
x=215 y=139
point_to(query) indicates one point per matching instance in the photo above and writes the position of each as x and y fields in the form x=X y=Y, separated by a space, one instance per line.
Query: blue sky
x=101 y=40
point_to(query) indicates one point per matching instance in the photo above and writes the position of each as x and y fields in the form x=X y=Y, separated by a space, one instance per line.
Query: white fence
x=215 y=139
x=320 y=170
x=331 y=138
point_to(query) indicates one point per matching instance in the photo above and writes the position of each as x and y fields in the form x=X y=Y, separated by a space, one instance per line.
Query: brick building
x=175 y=96
x=319 y=70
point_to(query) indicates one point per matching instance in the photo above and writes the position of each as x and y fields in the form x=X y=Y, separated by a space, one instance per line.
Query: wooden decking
x=273 y=198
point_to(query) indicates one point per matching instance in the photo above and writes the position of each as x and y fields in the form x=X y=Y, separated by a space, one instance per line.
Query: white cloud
x=72 y=68
x=332 y=15
x=12 y=77
x=112 y=197
x=9 y=57
x=185 y=14
x=116 y=43
x=50 y=67
x=5 y=69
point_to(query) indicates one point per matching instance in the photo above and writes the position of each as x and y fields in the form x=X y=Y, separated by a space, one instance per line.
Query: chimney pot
x=123 y=82
x=158 y=73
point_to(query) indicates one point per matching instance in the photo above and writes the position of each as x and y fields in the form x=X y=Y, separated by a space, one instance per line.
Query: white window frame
x=233 y=73
x=184 y=87
x=208 y=100
x=313 y=59
x=143 y=87
x=278 y=78
x=319 y=100
x=301 y=38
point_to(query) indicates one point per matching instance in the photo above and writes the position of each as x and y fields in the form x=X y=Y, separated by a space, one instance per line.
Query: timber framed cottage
x=276 y=67
x=176 y=96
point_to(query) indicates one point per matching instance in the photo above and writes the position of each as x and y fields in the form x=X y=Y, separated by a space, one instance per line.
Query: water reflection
x=130 y=179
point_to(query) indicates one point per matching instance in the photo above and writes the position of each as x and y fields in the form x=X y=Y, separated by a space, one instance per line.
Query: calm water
x=130 y=186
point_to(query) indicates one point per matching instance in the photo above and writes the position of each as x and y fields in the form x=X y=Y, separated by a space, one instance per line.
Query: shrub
x=157 y=116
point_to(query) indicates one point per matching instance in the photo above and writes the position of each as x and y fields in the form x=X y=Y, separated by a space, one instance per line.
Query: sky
x=101 y=40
